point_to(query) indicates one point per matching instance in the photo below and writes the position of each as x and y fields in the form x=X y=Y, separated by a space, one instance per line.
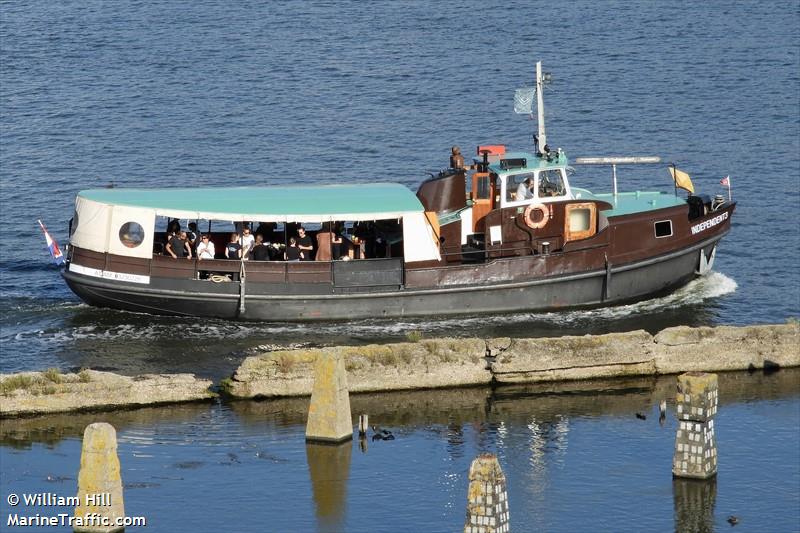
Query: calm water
x=213 y=93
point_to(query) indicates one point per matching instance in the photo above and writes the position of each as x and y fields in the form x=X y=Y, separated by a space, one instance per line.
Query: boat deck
x=626 y=203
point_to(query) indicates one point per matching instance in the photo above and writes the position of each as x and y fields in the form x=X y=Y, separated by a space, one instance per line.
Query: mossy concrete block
x=91 y=389
x=683 y=349
x=575 y=357
x=329 y=418
x=99 y=480
x=429 y=363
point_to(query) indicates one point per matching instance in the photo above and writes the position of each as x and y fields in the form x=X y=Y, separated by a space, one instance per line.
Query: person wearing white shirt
x=205 y=250
x=524 y=190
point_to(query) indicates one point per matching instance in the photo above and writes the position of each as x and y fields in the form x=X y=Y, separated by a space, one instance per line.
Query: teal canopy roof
x=367 y=201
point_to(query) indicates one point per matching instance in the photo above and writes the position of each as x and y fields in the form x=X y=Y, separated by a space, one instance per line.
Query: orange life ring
x=527 y=216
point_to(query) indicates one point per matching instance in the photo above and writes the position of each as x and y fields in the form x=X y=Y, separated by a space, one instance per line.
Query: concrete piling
x=329 y=418
x=363 y=425
x=695 y=443
x=99 y=481
x=487 y=499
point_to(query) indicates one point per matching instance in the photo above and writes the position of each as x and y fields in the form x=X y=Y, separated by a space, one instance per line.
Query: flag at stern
x=52 y=245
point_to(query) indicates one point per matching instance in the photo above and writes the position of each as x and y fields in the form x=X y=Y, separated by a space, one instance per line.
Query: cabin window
x=131 y=234
x=551 y=183
x=515 y=187
x=580 y=221
x=663 y=228
x=483 y=189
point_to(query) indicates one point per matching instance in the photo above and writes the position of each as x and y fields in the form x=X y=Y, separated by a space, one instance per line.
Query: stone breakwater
x=425 y=364
x=441 y=363
x=35 y=393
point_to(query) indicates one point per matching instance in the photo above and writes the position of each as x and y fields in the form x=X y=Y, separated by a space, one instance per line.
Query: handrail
x=614 y=161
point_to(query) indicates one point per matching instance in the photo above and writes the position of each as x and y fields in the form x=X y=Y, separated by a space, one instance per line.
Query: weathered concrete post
x=695 y=445
x=329 y=418
x=99 y=481
x=487 y=499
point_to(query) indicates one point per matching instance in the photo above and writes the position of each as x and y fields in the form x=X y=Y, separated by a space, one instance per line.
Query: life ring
x=528 y=218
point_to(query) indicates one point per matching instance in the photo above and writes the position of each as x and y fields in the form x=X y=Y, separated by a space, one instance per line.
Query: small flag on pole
x=682 y=179
x=726 y=181
x=523 y=100
x=52 y=245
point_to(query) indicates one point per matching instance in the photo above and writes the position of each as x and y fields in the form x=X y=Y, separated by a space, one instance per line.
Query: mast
x=540 y=104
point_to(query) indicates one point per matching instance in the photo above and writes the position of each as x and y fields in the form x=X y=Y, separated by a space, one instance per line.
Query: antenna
x=540 y=81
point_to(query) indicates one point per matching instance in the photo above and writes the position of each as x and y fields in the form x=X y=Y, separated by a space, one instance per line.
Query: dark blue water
x=217 y=93
x=208 y=94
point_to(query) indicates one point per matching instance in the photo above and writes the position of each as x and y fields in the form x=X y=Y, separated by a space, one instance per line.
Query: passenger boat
x=476 y=238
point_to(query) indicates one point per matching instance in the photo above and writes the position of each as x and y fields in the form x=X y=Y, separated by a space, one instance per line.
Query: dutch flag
x=52 y=245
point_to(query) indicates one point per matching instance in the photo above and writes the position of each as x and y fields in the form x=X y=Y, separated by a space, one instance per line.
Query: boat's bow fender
x=419 y=239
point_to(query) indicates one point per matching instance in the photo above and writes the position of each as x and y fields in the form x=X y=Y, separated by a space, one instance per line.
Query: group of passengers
x=181 y=243
x=330 y=245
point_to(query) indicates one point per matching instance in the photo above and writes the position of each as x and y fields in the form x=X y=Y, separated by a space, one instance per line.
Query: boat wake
x=102 y=325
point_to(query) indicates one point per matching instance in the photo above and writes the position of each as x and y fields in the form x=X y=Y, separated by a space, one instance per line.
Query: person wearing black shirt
x=178 y=246
x=304 y=243
x=260 y=250
x=233 y=250
x=293 y=253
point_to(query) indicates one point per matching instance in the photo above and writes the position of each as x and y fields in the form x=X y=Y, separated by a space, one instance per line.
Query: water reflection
x=694 y=504
x=329 y=468
x=545 y=410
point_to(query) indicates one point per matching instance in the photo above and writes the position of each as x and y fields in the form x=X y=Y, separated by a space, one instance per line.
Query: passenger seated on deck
x=524 y=190
x=205 y=250
x=233 y=250
x=260 y=250
x=304 y=243
x=293 y=252
x=178 y=246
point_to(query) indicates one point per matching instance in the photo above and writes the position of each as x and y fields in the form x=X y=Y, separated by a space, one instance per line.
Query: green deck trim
x=324 y=200
x=627 y=203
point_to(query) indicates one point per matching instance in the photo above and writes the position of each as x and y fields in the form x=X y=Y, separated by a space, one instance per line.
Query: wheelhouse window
x=551 y=184
x=483 y=191
x=131 y=234
x=663 y=228
x=516 y=186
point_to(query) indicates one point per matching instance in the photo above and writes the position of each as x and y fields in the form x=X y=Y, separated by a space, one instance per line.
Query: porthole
x=131 y=234
x=663 y=229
